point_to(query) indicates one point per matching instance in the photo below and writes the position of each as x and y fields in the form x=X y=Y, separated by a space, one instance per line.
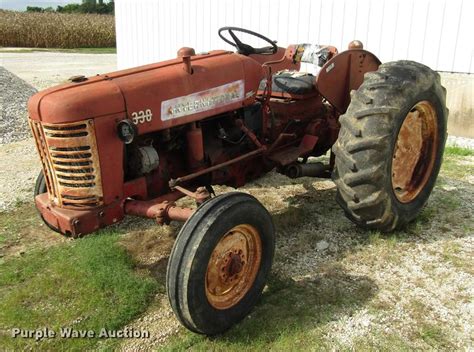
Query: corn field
x=56 y=30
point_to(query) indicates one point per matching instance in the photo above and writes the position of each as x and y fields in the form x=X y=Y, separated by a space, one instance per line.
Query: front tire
x=220 y=263
x=40 y=188
x=390 y=145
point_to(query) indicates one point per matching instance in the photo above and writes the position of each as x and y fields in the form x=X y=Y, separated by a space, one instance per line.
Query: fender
x=343 y=73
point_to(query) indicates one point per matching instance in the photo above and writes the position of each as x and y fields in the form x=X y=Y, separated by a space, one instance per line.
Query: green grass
x=452 y=253
x=76 y=50
x=85 y=284
x=435 y=336
x=456 y=164
x=458 y=151
x=382 y=342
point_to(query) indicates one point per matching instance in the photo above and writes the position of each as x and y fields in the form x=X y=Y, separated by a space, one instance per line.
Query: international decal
x=202 y=101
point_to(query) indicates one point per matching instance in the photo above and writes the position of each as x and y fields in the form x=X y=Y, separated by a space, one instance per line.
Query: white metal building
x=438 y=33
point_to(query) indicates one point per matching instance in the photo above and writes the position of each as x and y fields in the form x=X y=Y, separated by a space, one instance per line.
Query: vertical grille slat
x=43 y=153
x=70 y=161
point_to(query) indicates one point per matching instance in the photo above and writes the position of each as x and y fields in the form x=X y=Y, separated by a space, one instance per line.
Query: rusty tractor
x=133 y=142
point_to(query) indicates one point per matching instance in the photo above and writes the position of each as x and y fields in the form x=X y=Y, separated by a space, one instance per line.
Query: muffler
x=308 y=170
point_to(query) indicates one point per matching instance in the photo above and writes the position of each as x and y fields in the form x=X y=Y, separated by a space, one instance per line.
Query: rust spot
x=415 y=152
x=233 y=266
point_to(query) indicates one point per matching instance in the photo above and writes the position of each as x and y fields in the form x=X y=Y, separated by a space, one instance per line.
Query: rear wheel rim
x=233 y=266
x=415 y=150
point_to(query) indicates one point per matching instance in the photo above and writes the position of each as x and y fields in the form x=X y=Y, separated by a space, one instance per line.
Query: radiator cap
x=77 y=79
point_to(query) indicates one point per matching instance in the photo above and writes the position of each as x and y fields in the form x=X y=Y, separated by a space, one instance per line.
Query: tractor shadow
x=287 y=305
x=149 y=245
x=315 y=215
x=309 y=287
x=290 y=308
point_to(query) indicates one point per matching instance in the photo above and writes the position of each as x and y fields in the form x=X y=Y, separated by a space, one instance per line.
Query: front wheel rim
x=415 y=151
x=233 y=266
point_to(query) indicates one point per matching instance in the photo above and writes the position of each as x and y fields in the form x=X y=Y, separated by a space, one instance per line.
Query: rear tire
x=390 y=145
x=220 y=263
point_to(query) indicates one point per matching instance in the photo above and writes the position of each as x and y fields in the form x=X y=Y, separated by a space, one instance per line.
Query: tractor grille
x=70 y=161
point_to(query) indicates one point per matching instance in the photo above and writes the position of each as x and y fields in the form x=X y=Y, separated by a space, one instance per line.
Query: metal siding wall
x=437 y=33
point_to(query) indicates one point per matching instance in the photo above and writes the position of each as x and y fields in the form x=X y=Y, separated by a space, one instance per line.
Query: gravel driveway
x=13 y=114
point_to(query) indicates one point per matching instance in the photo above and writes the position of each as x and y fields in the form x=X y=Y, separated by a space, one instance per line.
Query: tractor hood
x=76 y=101
x=156 y=96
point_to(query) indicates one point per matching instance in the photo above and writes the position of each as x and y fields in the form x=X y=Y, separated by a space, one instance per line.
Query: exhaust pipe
x=308 y=170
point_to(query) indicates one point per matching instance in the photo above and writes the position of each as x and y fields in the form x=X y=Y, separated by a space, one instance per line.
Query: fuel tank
x=155 y=96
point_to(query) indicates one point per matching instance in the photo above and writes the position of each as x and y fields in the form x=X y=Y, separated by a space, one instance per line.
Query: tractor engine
x=167 y=154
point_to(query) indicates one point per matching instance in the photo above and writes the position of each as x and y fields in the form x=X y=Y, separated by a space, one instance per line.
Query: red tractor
x=133 y=142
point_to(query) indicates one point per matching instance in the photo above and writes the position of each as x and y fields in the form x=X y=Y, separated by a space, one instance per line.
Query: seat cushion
x=293 y=82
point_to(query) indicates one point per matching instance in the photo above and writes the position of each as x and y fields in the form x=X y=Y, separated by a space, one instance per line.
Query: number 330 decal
x=142 y=116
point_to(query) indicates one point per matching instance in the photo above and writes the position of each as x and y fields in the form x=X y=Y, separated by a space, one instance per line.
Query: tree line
x=87 y=6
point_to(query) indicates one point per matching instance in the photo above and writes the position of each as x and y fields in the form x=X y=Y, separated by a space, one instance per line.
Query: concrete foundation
x=460 y=100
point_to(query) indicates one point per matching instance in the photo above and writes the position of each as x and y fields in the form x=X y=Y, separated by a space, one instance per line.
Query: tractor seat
x=292 y=82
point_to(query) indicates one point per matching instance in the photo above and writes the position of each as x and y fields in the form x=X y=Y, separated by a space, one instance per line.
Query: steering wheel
x=246 y=49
